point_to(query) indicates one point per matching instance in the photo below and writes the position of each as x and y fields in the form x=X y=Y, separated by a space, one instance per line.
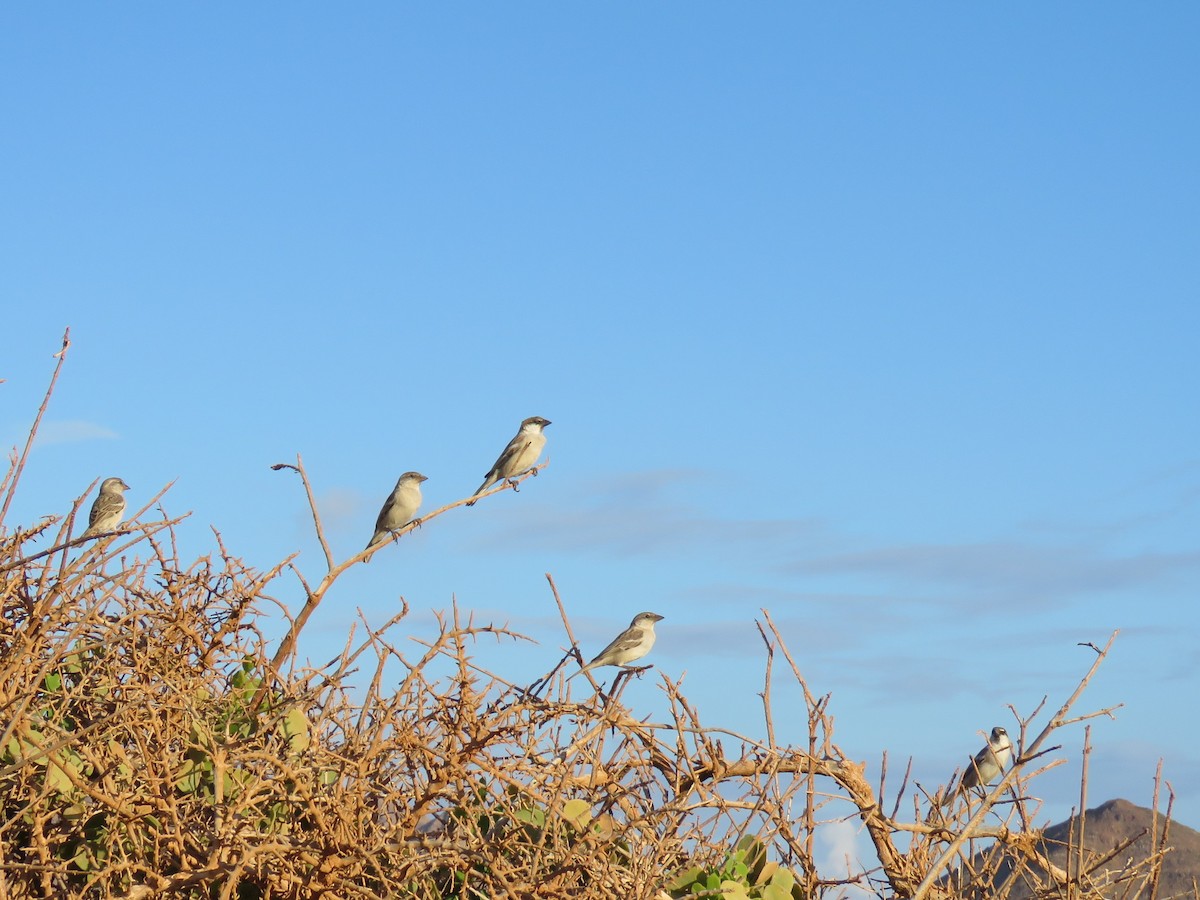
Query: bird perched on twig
x=521 y=453
x=399 y=509
x=108 y=507
x=629 y=646
x=987 y=765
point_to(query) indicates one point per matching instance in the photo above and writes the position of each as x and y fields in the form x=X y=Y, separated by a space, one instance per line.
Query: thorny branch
x=313 y=596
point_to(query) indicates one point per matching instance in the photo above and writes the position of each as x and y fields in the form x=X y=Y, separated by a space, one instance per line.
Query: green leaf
x=63 y=764
x=685 y=880
x=191 y=778
x=780 y=886
x=753 y=853
x=531 y=815
x=765 y=873
x=235 y=781
x=734 y=868
x=57 y=780
x=577 y=812
x=295 y=729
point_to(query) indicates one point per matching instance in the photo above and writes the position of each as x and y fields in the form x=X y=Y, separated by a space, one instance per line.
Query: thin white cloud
x=344 y=510
x=632 y=515
x=641 y=515
x=1004 y=567
x=72 y=431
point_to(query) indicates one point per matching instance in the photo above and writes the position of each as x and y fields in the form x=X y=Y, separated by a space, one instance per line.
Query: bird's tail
x=376 y=538
x=487 y=483
x=586 y=668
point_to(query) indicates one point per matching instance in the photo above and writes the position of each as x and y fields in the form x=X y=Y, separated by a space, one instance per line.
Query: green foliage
x=744 y=874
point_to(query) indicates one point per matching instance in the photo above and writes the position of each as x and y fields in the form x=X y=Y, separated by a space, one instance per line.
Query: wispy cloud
x=71 y=431
x=641 y=515
x=1008 y=568
x=634 y=515
x=345 y=510
x=344 y=514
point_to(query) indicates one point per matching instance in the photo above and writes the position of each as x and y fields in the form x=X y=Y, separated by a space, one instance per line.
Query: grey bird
x=521 y=453
x=987 y=765
x=399 y=509
x=108 y=507
x=629 y=646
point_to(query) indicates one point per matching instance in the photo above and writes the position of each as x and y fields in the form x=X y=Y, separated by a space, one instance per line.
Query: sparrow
x=521 y=453
x=987 y=765
x=399 y=509
x=108 y=507
x=629 y=646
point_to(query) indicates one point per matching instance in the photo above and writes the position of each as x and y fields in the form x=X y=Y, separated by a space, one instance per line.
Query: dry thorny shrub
x=152 y=745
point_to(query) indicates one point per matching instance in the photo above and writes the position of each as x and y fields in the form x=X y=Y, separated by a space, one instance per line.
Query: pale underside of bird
x=399 y=509
x=520 y=455
x=108 y=508
x=629 y=646
x=987 y=765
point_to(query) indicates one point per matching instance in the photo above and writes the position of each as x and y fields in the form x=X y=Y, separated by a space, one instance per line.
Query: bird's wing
x=381 y=519
x=514 y=449
x=106 y=505
x=972 y=775
x=626 y=640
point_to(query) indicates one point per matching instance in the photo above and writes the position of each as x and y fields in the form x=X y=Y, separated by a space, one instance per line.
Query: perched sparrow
x=399 y=509
x=521 y=453
x=987 y=765
x=629 y=646
x=109 y=507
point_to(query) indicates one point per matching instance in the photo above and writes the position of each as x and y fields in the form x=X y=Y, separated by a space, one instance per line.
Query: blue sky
x=883 y=318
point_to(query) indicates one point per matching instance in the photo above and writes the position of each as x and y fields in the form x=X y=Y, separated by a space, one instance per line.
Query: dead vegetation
x=153 y=744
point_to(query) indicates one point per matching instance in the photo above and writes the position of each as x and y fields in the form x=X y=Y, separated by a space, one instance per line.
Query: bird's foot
x=416 y=523
x=513 y=483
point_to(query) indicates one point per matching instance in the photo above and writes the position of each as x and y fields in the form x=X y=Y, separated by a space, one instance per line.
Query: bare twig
x=13 y=476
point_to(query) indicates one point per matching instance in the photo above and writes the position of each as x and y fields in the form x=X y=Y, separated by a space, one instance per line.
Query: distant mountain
x=1105 y=828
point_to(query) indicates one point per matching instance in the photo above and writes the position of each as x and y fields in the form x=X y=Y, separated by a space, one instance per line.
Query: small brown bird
x=109 y=507
x=521 y=453
x=629 y=646
x=399 y=509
